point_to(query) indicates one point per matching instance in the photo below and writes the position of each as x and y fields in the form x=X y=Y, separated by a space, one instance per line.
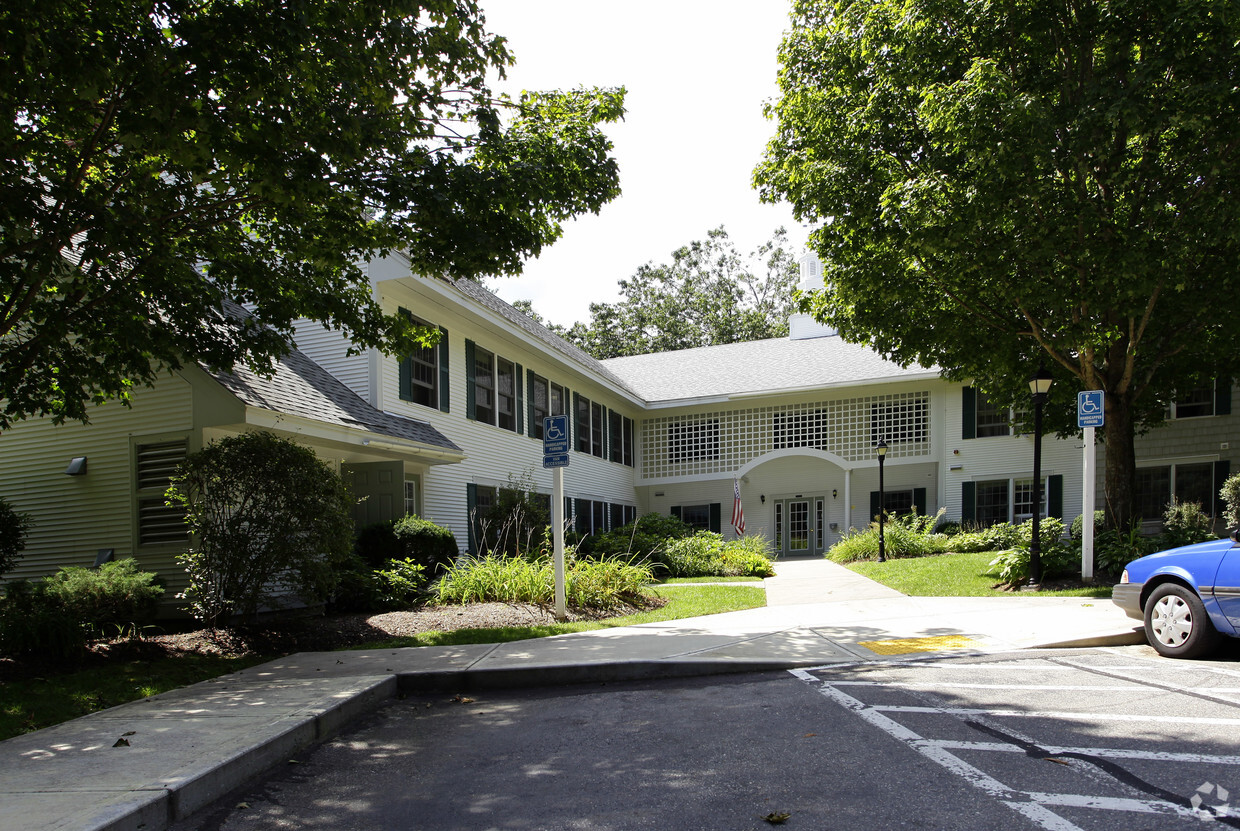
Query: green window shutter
x=470 y=377
x=1222 y=396
x=519 y=387
x=529 y=399
x=575 y=420
x=1054 y=496
x=1222 y=469
x=875 y=506
x=606 y=433
x=405 y=388
x=583 y=516
x=444 y=376
x=968 y=502
x=676 y=511
x=968 y=419
x=716 y=517
x=919 y=500
x=471 y=502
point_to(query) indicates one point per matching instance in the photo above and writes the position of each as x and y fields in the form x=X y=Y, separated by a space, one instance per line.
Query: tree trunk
x=1120 y=479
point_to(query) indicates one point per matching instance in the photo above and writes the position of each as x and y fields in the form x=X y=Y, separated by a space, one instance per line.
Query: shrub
x=596 y=584
x=116 y=594
x=1230 y=493
x=377 y=543
x=357 y=587
x=14 y=528
x=700 y=555
x=909 y=535
x=1078 y=525
x=516 y=519
x=429 y=545
x=1184 y=523
x=400 y=583
x=748 y=556
x=643 y=539
x=1012 y=565
x=270 y=521
x=35 y=622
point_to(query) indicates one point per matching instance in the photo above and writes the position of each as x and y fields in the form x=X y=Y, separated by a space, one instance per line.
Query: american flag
x=738 y=513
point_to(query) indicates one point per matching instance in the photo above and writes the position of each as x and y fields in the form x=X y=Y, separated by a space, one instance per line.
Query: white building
x=794 y=420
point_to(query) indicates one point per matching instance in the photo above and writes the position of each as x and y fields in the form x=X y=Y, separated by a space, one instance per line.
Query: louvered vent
x=155 y=465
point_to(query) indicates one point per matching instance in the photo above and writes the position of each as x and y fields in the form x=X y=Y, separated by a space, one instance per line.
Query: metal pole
x=1035 y=544
x=882 y=502
x=557 y=535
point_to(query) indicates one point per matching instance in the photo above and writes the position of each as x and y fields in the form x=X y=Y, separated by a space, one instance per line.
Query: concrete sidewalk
x=149 y=763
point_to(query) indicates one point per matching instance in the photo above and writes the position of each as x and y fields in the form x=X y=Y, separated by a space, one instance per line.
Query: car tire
x=1176 y=623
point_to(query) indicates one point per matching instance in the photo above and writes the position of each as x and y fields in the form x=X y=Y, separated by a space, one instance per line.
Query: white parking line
x=1100 y=752
x=1068 y=715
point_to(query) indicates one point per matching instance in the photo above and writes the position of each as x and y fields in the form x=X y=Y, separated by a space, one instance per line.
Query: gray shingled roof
x=300 y=387
x=756 y=366
x=531 y=327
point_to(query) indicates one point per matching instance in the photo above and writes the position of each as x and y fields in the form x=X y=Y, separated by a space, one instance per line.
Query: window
x=411 y=496
x=992 y=503
x=800 y=430
x=493 y=388
x=546 y=399
x=506 y=394
x=992 y=420
x=697 y=516
x=1185 y=482
x=422 y=373
x=1010 y=500
x=588 y=421
x=898 y=423
x=1194 y=403
x=1022 y=501
x=693 y=440
x=154 y=466
x=621 y=429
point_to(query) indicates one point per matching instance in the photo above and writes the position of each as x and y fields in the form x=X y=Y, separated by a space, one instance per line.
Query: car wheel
x=1176 y=623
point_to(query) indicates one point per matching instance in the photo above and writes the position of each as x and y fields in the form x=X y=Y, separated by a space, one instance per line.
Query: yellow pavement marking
x=902 y=646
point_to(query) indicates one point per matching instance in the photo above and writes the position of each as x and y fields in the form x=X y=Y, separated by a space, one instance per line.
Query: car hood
x=1186 y=558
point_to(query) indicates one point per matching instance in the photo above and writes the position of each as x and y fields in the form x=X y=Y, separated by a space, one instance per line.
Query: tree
x=998 y=185
x=270 y=522
x=159 y=159
x=708 y=294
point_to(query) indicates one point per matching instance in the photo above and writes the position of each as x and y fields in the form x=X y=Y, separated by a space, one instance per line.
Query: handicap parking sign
x=1090 y=409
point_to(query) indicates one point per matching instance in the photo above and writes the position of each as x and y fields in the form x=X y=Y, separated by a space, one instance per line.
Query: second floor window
x=493 y=387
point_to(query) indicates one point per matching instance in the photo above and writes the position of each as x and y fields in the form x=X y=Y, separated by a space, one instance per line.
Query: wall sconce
x=77 y=466
x=762 y=497
x=835 y=493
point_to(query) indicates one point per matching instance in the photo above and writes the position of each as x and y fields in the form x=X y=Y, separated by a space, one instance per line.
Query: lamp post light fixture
x=1039 y=386
x=881 y=449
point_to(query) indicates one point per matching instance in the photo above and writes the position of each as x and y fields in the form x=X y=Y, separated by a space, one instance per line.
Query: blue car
x=1188 y=597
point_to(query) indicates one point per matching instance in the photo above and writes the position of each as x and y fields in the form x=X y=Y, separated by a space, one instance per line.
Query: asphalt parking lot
x=1071 y=739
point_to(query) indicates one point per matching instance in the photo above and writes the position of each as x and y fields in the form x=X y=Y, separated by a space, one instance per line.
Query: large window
x=589 y=425
x=1194 y=403
x=689 y=440
x=621 y=429
x=1010 y=500
x=1194 y=482
x=493 y=386
x=546 y=399
x=154 y=466
x=992 y=420
x=992 y=503
x=706 y=517
x=422 y=372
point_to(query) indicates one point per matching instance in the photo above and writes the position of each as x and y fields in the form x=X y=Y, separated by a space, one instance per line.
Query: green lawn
x=952 y=575
x=42 y=702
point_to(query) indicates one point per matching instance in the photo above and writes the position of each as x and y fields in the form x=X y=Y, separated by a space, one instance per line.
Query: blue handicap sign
x=1090 y=411
x=555 y=436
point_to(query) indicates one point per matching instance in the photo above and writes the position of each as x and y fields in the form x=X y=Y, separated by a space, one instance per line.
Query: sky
x=697 y=74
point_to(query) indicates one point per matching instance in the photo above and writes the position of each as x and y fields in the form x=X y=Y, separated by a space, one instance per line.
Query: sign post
x=555 y=456
x=1090 y=414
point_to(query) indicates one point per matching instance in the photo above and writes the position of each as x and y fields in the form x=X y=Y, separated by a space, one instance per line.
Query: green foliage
x=709 y=294
x=1078 y=525
x=377 y=543
x=1011 y=566
x=705 y=554
x=14 y=528
x=400 y=583
x=161 y=158
x=429 y=545
x=644 y=538
x=270 y=522
x=991 y=166
x=589 y=584
x=953 y=575
x=748 y=556
x=1230 y=493
x=515 y=521
x=112 y=597
x=36 y=622
x=1184 y=523
x=908 y=535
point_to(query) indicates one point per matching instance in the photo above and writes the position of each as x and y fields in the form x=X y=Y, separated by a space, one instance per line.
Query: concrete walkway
x=148 y=763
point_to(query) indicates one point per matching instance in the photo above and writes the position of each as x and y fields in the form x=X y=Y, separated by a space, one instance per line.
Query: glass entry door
x=798 y=526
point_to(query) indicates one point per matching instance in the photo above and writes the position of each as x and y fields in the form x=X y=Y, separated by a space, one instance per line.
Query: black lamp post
x=882 y=500
x=1039 y=385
